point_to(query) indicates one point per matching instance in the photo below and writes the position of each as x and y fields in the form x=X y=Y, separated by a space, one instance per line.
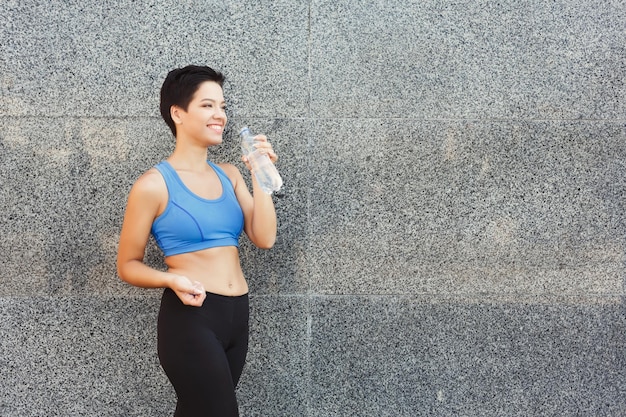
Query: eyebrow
x=212 y=100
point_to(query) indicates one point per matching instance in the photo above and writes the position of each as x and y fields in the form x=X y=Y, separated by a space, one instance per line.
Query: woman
x=196 y=211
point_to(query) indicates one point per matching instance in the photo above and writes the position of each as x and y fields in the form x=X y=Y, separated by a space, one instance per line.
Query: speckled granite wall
x=452 y=229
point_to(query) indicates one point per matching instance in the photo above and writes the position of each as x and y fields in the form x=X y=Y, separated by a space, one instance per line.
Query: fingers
x=189 y=292
x=246 y=162
x=273 y=156
x=197 y=287
x=261 y=143
x=197 y=294
x=192 y=299
x=195 y=300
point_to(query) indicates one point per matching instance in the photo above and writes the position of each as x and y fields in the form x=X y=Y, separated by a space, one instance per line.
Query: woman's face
x=205 y=117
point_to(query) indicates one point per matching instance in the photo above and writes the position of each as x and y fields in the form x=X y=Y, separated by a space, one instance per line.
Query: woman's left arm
x=258 y=207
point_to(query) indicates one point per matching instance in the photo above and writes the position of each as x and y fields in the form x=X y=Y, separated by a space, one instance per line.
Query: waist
x=217 y=269
x=211 y=296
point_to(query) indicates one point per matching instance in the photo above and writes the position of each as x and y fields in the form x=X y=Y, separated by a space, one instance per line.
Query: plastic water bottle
x=264 y=170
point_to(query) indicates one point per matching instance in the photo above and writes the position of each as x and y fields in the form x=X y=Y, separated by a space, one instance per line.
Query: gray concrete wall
x=452 y=229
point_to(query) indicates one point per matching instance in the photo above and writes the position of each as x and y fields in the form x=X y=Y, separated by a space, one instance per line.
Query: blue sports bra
x=191 y=223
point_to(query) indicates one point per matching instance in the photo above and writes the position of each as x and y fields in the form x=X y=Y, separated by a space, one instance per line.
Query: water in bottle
x=264 y=170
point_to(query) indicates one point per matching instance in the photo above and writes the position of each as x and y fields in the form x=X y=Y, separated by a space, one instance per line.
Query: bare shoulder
x=228 y=168
x=232 y=172
x=150 y=185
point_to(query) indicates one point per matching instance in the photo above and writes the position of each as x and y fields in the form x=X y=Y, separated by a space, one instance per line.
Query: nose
x=220 y=113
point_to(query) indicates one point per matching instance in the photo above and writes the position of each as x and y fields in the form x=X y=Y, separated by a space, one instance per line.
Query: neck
x=189 y=158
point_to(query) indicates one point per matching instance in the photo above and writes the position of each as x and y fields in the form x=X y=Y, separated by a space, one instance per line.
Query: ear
x=175 y=113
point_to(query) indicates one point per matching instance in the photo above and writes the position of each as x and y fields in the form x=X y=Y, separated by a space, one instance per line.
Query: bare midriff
x=218 y=269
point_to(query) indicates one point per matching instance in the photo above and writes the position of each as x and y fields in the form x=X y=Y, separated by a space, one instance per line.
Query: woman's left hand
x=261 y=143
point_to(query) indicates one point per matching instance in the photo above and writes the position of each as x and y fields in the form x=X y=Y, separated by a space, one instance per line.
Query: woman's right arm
x=145 y=199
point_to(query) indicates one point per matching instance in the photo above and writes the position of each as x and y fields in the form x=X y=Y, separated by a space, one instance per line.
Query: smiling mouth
x=217 y=128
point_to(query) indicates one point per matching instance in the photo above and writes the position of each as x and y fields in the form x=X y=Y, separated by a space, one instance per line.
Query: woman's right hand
x=191 y=293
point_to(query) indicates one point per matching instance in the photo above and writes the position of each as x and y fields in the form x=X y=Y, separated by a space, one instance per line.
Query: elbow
x=267 y=243
x=262 y=239
x=121 y=272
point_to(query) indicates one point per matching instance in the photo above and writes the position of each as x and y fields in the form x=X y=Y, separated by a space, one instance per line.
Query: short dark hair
x=180 y=85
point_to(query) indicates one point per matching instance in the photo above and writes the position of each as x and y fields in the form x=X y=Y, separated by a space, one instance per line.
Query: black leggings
x=202 y=351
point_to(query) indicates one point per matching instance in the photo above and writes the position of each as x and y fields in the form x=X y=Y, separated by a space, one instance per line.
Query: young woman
x=196 y=211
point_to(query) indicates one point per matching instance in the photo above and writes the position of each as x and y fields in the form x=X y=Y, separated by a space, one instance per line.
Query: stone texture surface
x=452 y=233
x=468 y=207
x=468 y=59
x=93 y=58
x=436 y=356
x=70 y=356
